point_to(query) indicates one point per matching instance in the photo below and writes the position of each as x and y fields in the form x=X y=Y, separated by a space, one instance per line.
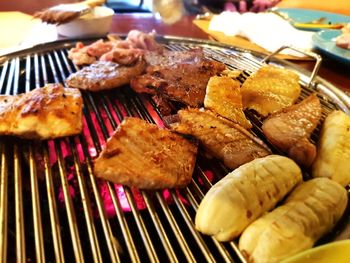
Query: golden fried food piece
x=312 y=210
x=44 y=113
x=104 y=75
x=223 y=96
x=222 y=138
x=290 y=129
x=270 y=89
x=142 y=155
x=333 y=156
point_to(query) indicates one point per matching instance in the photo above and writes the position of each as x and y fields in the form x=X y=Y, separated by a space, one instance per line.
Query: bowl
x=96 y=23
x=337 y=252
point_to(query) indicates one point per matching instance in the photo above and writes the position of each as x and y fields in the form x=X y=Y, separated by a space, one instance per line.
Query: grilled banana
x=311 y=210
x=333 y=156
x=244 y=195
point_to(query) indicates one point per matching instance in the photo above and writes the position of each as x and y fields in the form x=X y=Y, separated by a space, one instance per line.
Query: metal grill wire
x=151 y=226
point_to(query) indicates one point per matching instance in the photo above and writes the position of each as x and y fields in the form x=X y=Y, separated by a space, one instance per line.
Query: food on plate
x=333 y=155
x=222 y=138
x=245 y=194
x=312 y=210
x=115 y=49
x=223 y=96
x=183 y=81
x=343 y=41
x=43 y=113
x=270 y=89
x=142 y=155
x=290 y=129
x=103 y=75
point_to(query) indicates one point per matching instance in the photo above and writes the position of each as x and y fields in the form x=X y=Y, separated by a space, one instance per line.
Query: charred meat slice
x=105 y=75
x=270 y=89
x=142 y=155
x=182 y=82
x=290 y=129
x=222 y=138
x=44 y=113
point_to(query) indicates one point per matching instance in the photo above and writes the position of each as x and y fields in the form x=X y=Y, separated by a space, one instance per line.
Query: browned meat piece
x=105 y=75
x=115 y=49
x=222 y=138
x=168 y=58
x=291 y=128
x=270 y=89
x=45 y=113
x=164 y=106
x=142 y=155
x=183 y=82
x=223 y=96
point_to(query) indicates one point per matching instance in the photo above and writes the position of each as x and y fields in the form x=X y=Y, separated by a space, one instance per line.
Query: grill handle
x=311 y=54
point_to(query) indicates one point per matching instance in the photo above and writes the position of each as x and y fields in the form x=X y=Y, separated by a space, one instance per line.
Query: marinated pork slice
x=44 y=113
x=291 y=128
x=142 y=155
x=222 y=138
x=223 y=96
x=182 y=82
x=270 y=89
x=105 y=75
x=115 y=49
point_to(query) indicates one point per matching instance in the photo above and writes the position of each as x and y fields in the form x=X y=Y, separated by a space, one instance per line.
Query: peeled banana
x=311 y=210
x=245 y=194
x=333 y=156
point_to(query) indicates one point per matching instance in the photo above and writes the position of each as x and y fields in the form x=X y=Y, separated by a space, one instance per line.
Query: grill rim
x=58 y=74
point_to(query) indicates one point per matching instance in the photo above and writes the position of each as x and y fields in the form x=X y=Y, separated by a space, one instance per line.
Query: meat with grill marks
x=43 y=113
x=222 y=138
x=291 y=128
x=142 y=155
x=103 y=75
x=181 y=77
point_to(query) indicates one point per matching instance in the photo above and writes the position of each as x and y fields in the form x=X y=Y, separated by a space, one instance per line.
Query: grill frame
x=103 y=245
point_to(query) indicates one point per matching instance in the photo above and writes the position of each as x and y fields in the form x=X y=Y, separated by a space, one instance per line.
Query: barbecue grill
x=52 y=208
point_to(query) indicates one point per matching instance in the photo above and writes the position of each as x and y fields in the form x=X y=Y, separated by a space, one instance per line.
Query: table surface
x=332 y=71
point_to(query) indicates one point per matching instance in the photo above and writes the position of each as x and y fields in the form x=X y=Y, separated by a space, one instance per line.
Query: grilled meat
x=291 y=128
x=184 y=82
x=222 y=138
x=142 y=155
x=105 y=75
x=223 y=96
x=270 y=89
x=44 y=113
x=115 y=49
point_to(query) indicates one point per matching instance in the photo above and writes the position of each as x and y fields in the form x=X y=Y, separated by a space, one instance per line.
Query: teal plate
x=325 y=41
x=306 y=15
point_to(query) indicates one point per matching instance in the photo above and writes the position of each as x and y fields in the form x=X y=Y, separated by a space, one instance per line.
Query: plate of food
x=313 y=20
x=326 y=42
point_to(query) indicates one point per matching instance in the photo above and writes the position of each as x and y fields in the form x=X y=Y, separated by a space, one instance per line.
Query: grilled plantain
x=333 y=156
x=244 y=195
x=311 y=210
